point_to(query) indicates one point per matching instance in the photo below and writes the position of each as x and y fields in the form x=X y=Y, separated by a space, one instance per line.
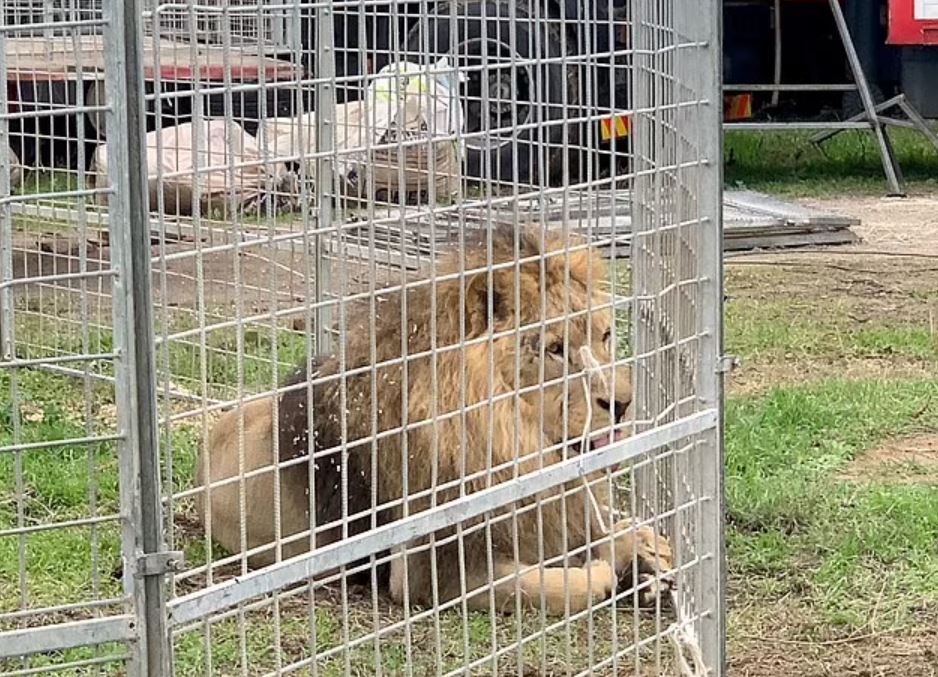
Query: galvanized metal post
x=7 y=344
x=142 y=529
x=641 y=213
x=709 y=29
x=325 y=176
x=890 y=166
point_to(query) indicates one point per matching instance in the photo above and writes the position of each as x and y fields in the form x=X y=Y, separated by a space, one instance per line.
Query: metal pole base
x=890 y=166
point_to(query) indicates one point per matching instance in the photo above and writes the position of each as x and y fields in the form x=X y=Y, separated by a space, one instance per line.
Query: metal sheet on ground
x=751 y=220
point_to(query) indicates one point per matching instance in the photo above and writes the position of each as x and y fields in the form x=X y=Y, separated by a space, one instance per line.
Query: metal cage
x=361 y=336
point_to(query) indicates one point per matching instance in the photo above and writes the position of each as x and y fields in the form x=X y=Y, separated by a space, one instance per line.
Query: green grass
x=784 y=163
x=49 y=182
x=845 y=548
x=266 y=354
x=68 y=565
x=57 y=485
x=787 y=163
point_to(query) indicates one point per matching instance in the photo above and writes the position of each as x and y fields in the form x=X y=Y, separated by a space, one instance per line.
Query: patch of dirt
x=268 y=277
x=783 y=635
x=897 y=654
x=911 y=460
x=891 y=274
x=907 y=224
x=215 y=281
x=838 y=294
x=752 y=378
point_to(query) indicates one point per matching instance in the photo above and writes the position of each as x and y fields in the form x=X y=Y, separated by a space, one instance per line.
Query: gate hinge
x=160 y=563
x=727 y=363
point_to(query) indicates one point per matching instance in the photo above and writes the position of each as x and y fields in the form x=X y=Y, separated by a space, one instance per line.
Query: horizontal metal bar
x=53 y=444
x=77 y=373
x=50 y=526
x=61 y=636
x=36 y=113
x=58 y=359
x=46 y=610
x=55 y=25
x=230 y=593
x=790 y=88
x=25 y=198
x=61 y=667
x=894 y=122
x=45 y=365
x=61 y=277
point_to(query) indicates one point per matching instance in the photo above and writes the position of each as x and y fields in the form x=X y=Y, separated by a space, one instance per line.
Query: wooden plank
x=70 y=57
x=834 y=237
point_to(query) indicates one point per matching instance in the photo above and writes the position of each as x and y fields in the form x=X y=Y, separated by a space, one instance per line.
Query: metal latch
x=727 y=363
x=160 y=563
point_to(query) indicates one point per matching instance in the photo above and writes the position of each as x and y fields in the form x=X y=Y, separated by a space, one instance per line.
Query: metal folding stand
x=915 y=121
x=870 y=118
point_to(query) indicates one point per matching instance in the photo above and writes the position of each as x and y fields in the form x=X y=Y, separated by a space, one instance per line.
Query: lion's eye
x=607 y=336
x=556 y=349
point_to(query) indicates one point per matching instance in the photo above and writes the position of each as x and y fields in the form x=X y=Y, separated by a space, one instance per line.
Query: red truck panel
x=913 y=22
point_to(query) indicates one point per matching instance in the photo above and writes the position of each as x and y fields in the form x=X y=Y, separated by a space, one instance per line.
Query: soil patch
x=910 y=460
x=891 y=224
x=755 y=377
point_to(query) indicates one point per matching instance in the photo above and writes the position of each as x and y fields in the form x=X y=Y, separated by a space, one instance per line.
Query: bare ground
x=772 y=638
x=908 y=225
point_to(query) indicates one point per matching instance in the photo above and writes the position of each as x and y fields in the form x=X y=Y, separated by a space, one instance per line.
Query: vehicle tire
x=522 y=123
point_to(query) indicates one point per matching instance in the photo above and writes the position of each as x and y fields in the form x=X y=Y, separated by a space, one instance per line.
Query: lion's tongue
x=604 y=440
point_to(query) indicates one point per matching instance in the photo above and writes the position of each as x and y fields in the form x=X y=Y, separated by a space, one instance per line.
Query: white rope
x=591 y=366
x=682 y=637
x=681 y=633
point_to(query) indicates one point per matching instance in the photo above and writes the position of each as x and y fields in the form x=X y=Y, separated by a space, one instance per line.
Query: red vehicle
x=913 y=22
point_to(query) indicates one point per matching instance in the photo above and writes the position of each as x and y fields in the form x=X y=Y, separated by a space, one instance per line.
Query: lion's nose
x=618 y=407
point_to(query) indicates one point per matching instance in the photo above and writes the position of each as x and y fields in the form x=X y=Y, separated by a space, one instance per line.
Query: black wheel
x=852 y=102
x=516 y=89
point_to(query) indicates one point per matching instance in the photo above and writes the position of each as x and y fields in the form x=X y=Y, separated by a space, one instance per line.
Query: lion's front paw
x=652 y=551
x=652 y=554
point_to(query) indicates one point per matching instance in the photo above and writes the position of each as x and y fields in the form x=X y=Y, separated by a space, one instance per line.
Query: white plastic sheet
x=213 y=163
x=384 y=142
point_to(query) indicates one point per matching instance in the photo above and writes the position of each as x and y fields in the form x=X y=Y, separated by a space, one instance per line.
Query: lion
x=498 y=380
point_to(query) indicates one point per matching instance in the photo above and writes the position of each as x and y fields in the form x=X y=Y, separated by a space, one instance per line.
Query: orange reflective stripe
x=739 y=106
x=620 y=128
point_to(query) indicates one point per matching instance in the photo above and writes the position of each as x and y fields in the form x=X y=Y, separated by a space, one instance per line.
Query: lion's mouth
x=598 y=441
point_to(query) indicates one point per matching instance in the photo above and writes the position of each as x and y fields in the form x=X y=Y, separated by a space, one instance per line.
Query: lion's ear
x=477 y=301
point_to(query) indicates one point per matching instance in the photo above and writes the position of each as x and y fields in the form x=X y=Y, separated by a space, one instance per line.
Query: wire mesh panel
x=66 y=478
x=411 y=361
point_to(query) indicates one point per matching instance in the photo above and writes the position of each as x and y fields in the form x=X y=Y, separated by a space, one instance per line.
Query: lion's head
x=554 y=335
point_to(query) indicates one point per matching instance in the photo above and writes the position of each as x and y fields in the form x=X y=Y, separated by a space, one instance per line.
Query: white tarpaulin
x=384 y=142
x=15 y=168
x=212 y=162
